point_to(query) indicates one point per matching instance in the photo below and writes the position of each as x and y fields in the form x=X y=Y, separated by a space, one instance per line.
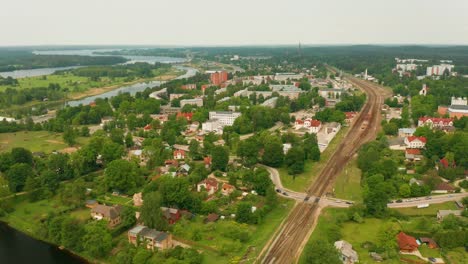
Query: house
x=187 y=116
x=333 y=127
x=211 y=218
x=286 y=147
x=147 y=127
x=227 y=189
x=434 y=122
x=406 y=132
x=415 y=181
x=407 y=243
x=413 y=154
x=171 y=163
x=348 y=255
x=441 y=214
x=209 y=184
x=443 y=187
x=190 y=86
x=172 y=215
x=444 y=163
x=153 y=239
x=91 y=203
x=349 y=117
x=109 y=213
x=179 y=154
x=415 y=142
x=429 y=242
x=207 y=162
x=184 y=169
x=137 y=199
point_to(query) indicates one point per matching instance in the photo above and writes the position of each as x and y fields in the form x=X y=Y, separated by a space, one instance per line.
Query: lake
x=86 y=52
x=132 y=89
x=18 y=248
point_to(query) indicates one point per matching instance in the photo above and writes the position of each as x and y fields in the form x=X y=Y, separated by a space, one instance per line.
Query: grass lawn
x=128 y=201
x=348 y=183
x=429 y=252
x=312 y=169
x=82 y=214
x=213 y=235
x=27 y=215
x=457 y=255
x=430 y=211
x=35 y=141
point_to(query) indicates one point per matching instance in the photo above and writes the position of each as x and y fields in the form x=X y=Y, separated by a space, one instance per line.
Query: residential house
x=443 y=187
x=91 y=203
x=435 y=122
x=207 y=162
x=138 y=199
x=227 y=189
x=312 y=125
x=413 y=154
x=190 y=86
x=441 y=214
x=184 y=169
x=333 y=127
x=429 y=242
x=444 y=163
x=153 y=239
x=211 y=218
x=406 y=132
x=109 y=213
x=187 y=116
x=407 y=243
x=172 y=215
x=209 y=184
x=147 y=128
x=415 y=142
x=286 y=148
x=349 y=117
x=179 y=154
x=348 y=255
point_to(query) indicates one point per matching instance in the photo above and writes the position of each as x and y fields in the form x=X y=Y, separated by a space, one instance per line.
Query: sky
x=235 y=22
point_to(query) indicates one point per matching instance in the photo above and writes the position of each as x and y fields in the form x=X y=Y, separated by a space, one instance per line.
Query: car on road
x=399 y=201
x=317 y=199
x=431 y=259
x=285 y=194
x=307 y=198
x=278 y=190
x=349 y=203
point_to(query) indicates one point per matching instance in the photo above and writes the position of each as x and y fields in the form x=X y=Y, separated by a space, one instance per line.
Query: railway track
x=294 y=233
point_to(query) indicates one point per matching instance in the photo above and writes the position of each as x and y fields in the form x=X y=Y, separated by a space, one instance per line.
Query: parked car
x=399 y=201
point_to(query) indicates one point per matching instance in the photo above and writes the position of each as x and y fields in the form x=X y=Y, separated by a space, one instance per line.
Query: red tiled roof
x=436 y=119
x=147 y=127
x=445 y=163
x=207 y=160
x=179 y=151
x=443 y=186
x=315 y=123
x=413 y=151
x=298 y=121
x=412 y=138
x=406 y=242
x=187 y=116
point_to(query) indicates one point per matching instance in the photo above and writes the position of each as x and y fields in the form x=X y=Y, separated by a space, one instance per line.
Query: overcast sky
x=235 y=22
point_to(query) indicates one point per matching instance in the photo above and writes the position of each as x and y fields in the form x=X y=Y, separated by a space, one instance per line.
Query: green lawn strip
x=35 y=141
x=111 y=199
x=457 y=255
x=348 y=183
x=302 y=181
x=429 y=252
x=429 y=211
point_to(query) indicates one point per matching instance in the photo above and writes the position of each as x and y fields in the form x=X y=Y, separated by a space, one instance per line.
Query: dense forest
x=14 y=59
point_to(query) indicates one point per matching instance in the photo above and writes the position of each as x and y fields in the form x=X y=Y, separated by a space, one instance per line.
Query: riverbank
x=14 y=242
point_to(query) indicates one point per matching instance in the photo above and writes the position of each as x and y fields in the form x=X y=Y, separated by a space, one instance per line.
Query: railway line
x=293 y=234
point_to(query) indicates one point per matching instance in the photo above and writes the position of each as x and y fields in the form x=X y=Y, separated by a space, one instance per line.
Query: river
x=18 y=248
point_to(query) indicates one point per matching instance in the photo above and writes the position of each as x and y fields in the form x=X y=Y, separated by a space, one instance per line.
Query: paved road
x=435 y=199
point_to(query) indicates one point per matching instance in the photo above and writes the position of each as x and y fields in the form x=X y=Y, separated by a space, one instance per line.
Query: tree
x=17 y=175
x=97 y=241
x=129 y=140
x=295 y=160
x=71 y=233
x=123 y=175
x=128 y=216
x=220 y=158
x=321 y=252
x=4 y=187
x=405 y=190
x=151 y=213
x=32 y=186
x=22 y=155
x=273 y=152
x=194 y=148
x=244 y=213
x=69 y=136
x=74 y=193
x=311 y=149
x=111 y=151
x=248 y=151
x=84 y=131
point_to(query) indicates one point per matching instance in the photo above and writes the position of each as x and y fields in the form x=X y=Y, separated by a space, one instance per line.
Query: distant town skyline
x=211 y=23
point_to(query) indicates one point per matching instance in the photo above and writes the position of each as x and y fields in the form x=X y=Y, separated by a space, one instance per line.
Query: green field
x=312 y=169
x=429 y=211
x=213 y=238
x=35 y=141
x=348 y=183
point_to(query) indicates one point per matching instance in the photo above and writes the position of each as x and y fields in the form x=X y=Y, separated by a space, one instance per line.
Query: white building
x=348 y=255
x=284 y=76
x=439 y=70
x=415 y=142
x=8 y=119
x=212 y=126
x=225 y=118
x=196 y=101
x=459 y=101
x=331 y=93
